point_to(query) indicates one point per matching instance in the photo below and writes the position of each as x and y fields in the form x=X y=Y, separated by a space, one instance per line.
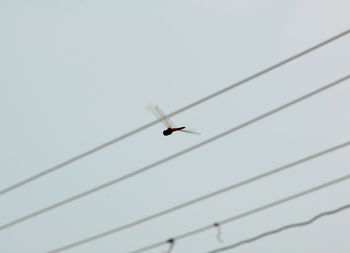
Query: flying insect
x=168 y=123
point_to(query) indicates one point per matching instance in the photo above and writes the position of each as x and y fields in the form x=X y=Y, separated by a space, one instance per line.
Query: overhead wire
x=173 y=156
x=206 y=196
x=139 y=129
x=281 y=229
x=236 y=217
x=215 y=193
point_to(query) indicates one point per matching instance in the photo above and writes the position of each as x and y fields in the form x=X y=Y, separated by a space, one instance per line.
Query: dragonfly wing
x=167 y=122
x=189 y=131
x=156 y=113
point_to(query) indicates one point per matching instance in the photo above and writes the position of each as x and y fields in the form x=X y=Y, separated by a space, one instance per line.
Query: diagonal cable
x=220 y=191
x=148 y=167
x=202 y=100
x=281 y=229
x=236 y=217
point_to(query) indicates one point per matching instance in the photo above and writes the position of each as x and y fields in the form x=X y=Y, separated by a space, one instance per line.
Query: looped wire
x=219 y=232
x=171 y=243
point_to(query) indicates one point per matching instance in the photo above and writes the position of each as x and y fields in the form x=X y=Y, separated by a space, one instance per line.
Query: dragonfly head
x=167 y=132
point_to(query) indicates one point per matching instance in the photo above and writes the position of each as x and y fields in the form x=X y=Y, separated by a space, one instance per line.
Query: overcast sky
x=77 y=73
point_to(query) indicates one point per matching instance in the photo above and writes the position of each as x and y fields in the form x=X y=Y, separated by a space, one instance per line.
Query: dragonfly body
x=170 y=130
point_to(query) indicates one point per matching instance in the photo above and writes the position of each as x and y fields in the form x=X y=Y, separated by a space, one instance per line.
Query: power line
x=117 y=180
x=278 y=230
x=210 y=195
x=236 y=217
x=137 y=130
x=173 y=156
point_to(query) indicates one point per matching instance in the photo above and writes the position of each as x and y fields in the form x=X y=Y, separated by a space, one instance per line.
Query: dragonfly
x=168 y=123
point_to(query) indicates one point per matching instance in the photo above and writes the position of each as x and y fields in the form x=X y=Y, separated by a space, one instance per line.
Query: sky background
x=77 y=73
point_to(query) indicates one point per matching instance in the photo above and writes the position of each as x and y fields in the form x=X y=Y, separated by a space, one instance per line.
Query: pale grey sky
x=75 y=74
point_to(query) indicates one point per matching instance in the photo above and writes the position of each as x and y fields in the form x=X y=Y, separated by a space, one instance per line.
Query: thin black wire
x=148 y=167
x=207 y=196
x=240 y=216
x=210 y=195
x=278 y=230
x=137 y=130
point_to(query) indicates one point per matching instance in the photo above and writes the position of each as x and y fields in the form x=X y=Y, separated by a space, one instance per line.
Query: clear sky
x=77 y=73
